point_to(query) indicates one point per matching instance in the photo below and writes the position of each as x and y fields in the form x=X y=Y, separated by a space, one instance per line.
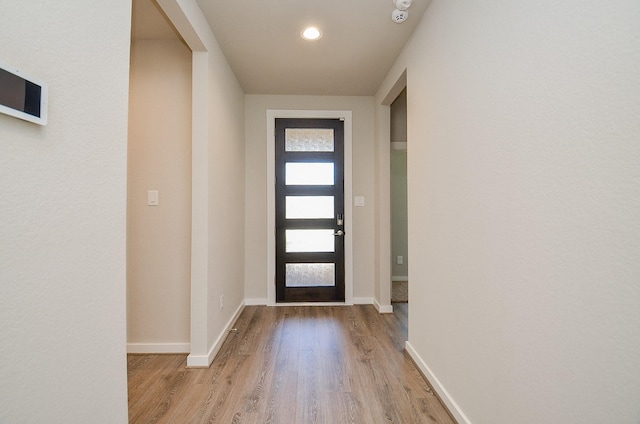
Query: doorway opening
x=398 y=201
x=158 y=186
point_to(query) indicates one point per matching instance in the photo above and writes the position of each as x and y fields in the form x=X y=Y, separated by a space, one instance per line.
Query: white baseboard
x=399 y=278
x=451 y=404
x=158 y=347
x=256 y=302
x=204 y=361
x=383 y=309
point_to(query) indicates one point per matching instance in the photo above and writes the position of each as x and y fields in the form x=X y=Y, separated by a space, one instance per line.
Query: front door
x=309 y=210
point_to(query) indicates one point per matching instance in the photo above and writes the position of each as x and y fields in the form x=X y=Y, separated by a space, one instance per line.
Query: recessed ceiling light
x=311 y=33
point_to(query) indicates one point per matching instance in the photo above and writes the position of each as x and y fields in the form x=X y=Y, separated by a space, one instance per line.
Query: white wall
x=159 y=237
x=256 y=195
x=524 y=192
x=226 y=195
x=63 y=209
x=217 y=237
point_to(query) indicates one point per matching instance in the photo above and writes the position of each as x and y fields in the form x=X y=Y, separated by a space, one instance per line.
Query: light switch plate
x=152 y=198
x=358 y=201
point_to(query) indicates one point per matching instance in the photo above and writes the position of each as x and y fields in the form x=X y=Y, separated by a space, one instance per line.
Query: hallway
x=292 y=365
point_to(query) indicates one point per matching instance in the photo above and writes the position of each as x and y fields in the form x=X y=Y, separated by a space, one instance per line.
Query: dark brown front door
x=309 y=210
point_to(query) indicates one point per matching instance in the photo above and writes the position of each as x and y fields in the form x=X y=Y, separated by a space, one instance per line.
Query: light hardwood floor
x=297 y=365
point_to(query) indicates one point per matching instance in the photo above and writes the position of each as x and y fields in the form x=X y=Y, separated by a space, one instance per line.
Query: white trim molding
x=272 y=114
x=383 y=309
x=204 y=361
x=444 y=395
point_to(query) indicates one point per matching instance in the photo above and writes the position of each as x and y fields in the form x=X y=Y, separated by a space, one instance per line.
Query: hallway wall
x=524 y=192
x=217 y=163
x=63 y=216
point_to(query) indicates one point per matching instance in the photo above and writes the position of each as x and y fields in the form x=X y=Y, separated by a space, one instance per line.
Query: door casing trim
x=272 y=114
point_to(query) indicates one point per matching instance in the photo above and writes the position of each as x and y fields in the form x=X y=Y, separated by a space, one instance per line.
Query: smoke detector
x=402 y=11
x=399 y=16
x=402 y=4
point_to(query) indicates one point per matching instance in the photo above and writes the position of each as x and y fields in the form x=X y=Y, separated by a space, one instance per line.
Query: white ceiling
x=261 y=40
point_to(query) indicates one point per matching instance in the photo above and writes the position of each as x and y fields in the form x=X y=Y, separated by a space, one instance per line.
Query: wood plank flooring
x=311 y=364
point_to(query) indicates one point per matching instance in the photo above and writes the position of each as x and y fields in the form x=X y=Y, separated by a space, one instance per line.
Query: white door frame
x=271 y=198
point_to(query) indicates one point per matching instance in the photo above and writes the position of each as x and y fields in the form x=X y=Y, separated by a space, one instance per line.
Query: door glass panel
x=310 y=275
x=309 y=207
x=308 y=139
x=309 y=173
x=310 y=241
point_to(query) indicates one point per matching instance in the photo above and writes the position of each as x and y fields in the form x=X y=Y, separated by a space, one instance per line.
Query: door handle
x=339 y=233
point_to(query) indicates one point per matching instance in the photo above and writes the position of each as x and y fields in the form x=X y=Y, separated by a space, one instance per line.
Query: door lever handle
x=339 y=233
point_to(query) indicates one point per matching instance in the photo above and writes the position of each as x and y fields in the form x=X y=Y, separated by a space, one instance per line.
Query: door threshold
x=312 y=304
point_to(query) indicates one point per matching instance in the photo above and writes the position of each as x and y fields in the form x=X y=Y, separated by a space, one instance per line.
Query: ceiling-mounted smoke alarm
x=402 y=11
x=402 y=4
x=399 y=16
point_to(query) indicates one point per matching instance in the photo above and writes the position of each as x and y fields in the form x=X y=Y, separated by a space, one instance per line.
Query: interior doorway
x=158 y=186
x=398 y=200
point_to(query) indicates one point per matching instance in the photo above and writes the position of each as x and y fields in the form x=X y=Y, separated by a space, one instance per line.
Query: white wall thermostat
x=22 y=96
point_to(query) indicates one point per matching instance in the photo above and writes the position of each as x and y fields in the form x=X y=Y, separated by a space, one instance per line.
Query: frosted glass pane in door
x=310 y=275
x=309 y=173
x=310 y=240
x=309 y=207
x=308 y=139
